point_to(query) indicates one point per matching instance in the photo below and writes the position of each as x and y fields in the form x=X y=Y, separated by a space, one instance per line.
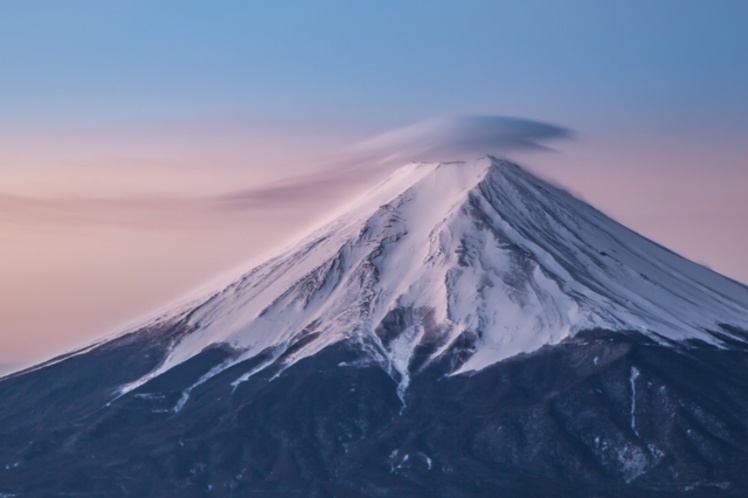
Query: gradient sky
x=116 y=116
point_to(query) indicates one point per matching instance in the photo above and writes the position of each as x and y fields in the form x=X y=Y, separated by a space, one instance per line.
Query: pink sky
x=99 y=228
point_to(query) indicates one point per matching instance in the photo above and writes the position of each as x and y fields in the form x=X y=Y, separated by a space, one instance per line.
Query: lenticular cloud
x=433 y=140
x=458 y=138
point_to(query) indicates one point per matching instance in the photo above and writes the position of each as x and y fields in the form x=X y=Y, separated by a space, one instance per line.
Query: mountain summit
x=464 y=328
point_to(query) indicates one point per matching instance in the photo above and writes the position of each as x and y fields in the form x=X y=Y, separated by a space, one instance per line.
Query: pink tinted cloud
x=443 y=139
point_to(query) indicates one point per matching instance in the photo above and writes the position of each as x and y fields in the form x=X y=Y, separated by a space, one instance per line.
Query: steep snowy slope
x=482 y=257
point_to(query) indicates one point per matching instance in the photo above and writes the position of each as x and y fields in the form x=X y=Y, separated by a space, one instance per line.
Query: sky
x=125 y=125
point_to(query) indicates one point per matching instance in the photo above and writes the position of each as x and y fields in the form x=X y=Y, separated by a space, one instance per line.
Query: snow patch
x=186 y=393
x=632 y=379
x=634 y=462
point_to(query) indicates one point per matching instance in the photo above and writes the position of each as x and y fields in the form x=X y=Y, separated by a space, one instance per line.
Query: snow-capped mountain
x=483 y=254
x=448 y=285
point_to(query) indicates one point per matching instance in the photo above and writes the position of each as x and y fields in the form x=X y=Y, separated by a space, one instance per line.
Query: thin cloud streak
x=434 y=140
x=442 y=139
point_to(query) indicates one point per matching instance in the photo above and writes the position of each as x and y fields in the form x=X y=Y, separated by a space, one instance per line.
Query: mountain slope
x=481 y=252
x=465 y=329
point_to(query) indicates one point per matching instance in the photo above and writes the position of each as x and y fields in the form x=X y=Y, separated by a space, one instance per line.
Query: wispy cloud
x=434 y=140
x=441 y=139
x=459 y=138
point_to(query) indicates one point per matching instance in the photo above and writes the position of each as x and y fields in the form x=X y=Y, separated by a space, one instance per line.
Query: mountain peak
x=475 y=261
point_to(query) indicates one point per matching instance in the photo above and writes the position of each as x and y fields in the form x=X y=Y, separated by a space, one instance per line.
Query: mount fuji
x=464 y=329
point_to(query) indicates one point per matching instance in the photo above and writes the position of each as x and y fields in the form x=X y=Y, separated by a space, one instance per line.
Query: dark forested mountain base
x=600 y=415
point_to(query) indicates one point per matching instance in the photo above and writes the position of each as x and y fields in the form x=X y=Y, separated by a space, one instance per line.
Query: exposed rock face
x=464 y=330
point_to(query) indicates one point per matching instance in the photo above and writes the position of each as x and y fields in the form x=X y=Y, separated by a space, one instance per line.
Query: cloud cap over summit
x=433 y=140
x=459 y=138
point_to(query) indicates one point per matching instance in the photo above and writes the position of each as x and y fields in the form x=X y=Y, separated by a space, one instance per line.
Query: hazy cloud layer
x=433 y=140
x=442 y=139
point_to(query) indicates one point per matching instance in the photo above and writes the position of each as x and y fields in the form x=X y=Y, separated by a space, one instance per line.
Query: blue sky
x=370 y=65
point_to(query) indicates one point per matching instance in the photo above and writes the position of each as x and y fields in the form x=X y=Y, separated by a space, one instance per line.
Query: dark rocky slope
x=604 y=415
